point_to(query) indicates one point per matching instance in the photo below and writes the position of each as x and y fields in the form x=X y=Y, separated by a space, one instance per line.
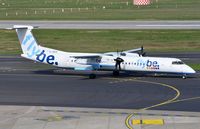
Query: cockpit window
x=177 y=62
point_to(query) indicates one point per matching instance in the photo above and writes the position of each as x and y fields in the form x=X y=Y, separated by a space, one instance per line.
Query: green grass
x=196 y=67
x=93 y=10
x=106 y=40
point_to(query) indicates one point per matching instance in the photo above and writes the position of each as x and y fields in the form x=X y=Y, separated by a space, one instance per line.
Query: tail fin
x=29 y=45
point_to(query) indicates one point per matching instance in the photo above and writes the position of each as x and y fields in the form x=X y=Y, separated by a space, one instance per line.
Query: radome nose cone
x=191 y=70
x=188 y=70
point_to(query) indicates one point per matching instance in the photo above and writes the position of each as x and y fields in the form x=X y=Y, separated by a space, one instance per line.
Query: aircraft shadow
x=105 y=74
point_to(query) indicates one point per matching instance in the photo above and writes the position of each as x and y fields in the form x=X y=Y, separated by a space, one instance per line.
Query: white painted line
x=168 y=25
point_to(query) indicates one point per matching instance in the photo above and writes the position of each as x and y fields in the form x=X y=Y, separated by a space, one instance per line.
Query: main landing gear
x=118 y=62
x=116 y=73
x=92 y=76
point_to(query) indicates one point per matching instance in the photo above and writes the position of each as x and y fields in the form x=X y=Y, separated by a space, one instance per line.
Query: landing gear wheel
x=115 y=73
x=92 y=76
x=184 y=76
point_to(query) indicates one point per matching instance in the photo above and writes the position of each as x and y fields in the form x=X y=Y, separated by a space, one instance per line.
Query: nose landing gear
x=184 y=76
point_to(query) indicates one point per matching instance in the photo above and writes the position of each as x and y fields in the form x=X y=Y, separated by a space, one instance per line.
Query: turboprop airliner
x=130 y=60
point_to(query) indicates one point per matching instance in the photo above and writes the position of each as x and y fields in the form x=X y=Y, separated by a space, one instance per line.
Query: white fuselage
x=132 y=62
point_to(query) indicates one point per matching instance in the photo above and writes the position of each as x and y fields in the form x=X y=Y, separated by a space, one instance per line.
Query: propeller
x=142 y=53
x=118 y=61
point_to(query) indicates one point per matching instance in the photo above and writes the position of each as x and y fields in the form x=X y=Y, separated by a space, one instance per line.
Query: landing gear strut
x=92 y=76
x=115 y=73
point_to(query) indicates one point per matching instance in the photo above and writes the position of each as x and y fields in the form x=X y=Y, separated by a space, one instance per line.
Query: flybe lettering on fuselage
x=30 y=46
x=148 y=64
x=50 y=59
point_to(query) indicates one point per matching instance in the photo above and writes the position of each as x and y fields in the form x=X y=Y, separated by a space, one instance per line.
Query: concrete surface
x=105 y=24
x=37 y=117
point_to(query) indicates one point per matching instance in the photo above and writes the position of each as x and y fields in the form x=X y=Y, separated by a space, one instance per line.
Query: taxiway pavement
x=33 y=90
x=24 y=82
x=104 y=24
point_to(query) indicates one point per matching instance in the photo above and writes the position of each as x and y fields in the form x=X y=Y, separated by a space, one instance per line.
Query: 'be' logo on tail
x=42 y=57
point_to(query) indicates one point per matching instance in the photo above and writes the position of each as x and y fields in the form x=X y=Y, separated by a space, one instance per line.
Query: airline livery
x=130 y=60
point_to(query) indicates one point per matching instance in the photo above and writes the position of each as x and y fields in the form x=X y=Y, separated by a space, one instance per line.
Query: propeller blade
x=142 y=49
x=144 y=54
x=117 y=53
x=141 y=53
x=118 y=61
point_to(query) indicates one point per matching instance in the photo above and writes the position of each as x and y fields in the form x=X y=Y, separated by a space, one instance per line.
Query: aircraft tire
x=92 y=76
x=184 y=76
x=115 y=73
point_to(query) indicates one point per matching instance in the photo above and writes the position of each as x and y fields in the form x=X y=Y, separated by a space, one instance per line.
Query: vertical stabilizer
x=29 y=45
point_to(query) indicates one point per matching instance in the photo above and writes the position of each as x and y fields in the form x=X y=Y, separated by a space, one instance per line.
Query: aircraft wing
x=133 y=50
x=87 y=56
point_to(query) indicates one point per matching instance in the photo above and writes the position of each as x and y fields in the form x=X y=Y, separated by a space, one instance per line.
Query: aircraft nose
x=193 y=71
x=190 y=70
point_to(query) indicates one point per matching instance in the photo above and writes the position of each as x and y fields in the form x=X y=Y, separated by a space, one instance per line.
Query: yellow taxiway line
x=148 y=122
x=127 y=121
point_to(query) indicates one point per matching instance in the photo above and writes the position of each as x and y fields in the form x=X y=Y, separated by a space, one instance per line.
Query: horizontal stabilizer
x=22 y=27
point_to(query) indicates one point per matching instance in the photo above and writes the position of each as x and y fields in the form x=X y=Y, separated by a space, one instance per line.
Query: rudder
x=27 y=41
